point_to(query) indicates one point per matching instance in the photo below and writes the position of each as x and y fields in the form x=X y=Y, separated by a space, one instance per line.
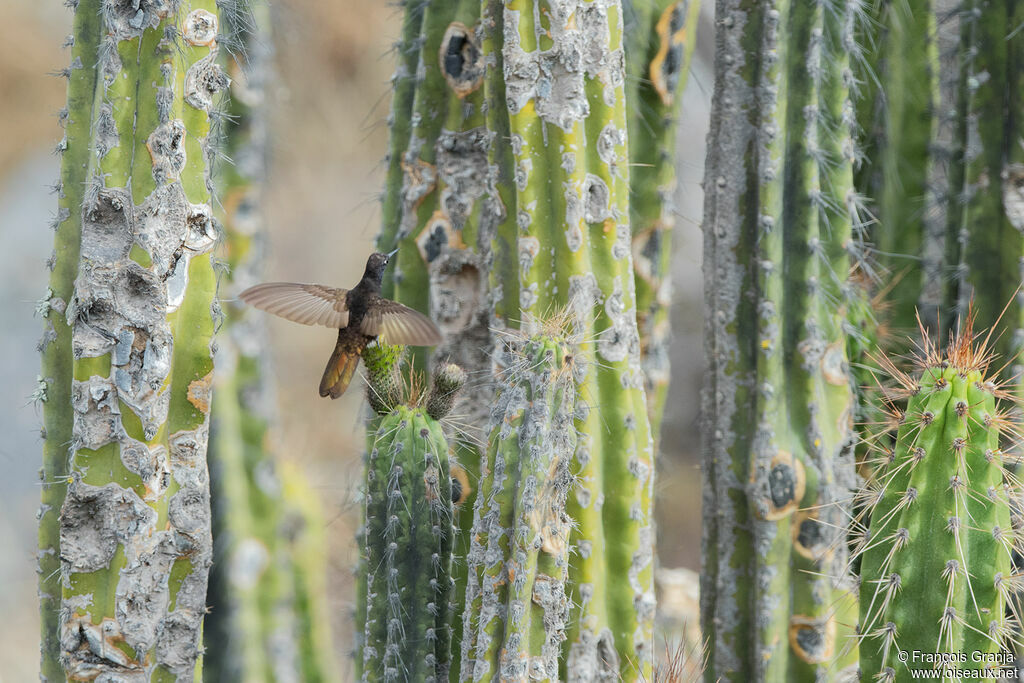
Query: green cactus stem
x=660 y=41
x=406 y=582
x=304 y=531
x=56 y=342
x=936 y=573
x=781 y=240
x=902 y=116
x=135 y=532
x=439 y=213
x=988 y=212
x=516 y=604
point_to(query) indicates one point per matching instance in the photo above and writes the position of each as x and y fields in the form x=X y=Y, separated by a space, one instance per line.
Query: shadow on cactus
x=938 y=523
x=405 y=583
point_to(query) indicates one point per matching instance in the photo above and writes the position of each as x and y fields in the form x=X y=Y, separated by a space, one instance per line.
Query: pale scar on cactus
x=935 y=535
x=516 y=600
x=404 y=605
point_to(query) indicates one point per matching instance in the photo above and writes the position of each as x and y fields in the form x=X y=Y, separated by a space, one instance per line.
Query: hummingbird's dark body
x=361 y=314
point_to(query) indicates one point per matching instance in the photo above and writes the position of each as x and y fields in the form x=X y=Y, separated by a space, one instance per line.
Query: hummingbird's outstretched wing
x=398 y=324
x=306 y=304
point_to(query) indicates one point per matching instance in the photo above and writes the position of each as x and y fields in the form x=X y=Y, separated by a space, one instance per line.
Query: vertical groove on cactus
x=660 y=40
x=782 y=226
x=936 y=537
x=56 y=342
x=516 y=603
x=407 y=539
x=135 y=540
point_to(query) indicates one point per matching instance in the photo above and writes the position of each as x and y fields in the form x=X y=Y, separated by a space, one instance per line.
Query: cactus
x=935 y=556
x=134 y=526
x=303 y=528
x=987 y=210
x=56 y=342
x=516 y=603
x=782 y=227
x=660 y=40
x=512 y=202
x=405 y=569
x=261 y=613
x=906 y=137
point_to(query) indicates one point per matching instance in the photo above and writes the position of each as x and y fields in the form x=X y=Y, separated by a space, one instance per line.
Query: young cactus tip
x=937 y=526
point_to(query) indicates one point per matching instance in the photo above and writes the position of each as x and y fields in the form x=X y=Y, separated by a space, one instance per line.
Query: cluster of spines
x=517 y=601
x=935 y=533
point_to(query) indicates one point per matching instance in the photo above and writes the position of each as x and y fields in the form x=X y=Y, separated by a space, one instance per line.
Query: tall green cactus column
x=660 y=39
x=264 y=622
x=134 y=542
x=56 y=342
x=988 y=210
x=405 y=580
x=905 y=119
x=555 y=81
x=517 y=610
x=781 y=226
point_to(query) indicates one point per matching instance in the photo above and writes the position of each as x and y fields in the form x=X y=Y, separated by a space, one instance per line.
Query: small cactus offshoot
x=935 y=537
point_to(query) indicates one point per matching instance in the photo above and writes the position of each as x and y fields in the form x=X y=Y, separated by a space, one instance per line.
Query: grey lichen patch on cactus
x=517 y=605
x=937 y=529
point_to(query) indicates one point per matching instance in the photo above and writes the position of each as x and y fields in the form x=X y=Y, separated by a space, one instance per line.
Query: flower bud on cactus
x=935 y=556
x=448 y=379
x=384 y=385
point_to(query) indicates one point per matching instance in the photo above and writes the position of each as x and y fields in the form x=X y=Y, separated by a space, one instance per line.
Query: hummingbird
x=360 y=315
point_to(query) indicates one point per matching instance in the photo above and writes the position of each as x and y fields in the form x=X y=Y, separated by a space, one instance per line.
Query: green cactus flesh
x=407 y=547
x=516 y=602
x=660 y=39
x=936 y=574
x=56 y=343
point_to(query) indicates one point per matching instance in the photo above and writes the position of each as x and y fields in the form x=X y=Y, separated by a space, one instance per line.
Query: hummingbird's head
x=376 y=264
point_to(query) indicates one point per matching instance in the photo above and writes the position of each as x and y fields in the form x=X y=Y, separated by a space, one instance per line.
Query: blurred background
x=329 y=109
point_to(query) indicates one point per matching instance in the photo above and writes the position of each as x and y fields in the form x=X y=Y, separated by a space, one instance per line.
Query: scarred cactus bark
x=132 y=380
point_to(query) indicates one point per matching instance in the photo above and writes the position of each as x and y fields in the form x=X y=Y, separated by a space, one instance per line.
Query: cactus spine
x=935 y=557
x=58 y=420
x=781 y=227
x=135 y=542
x=517 y=608
x=407 y=540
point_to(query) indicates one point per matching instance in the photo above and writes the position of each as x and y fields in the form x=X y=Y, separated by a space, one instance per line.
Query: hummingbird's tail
x=339 y=371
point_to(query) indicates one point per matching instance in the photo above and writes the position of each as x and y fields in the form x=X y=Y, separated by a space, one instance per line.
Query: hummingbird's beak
x=392 y=252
